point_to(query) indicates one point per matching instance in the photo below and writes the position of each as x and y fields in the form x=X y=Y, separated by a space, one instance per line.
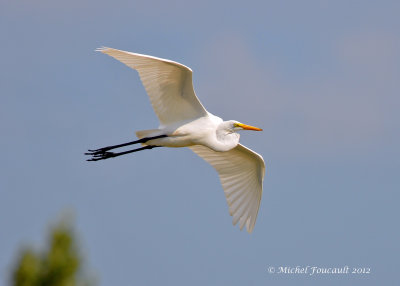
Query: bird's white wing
x=168 y=84
x=241 y=172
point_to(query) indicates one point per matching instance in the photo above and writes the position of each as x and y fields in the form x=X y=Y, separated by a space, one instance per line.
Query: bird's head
x=228 y=136
x=237 y=126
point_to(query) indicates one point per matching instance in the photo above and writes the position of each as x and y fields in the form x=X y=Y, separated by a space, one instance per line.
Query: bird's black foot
x=100 y=155
x=99 y=151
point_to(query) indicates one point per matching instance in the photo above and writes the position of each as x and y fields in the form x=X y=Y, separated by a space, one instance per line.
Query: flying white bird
x=184 y=122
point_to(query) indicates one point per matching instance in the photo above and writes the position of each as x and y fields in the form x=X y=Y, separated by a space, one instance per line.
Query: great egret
x=184 y=122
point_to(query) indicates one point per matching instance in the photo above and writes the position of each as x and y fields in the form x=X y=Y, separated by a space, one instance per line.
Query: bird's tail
x=148 y=133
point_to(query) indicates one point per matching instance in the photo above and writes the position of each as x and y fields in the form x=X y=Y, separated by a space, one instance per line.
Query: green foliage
x=27 y=272
x=59 y=265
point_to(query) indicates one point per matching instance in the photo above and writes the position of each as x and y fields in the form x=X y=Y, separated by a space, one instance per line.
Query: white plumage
x=184 y=122
x=168 y=84
x=241 y=172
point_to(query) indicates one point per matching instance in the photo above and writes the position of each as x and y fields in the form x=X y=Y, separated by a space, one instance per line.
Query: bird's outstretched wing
x=241 y=172
x=168 y=84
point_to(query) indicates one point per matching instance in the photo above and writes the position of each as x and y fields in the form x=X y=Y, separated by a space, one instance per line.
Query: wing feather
x=168 y=84
x=241 y=172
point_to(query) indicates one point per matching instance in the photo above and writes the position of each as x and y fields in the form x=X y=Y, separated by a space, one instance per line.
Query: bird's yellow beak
x=247 y=127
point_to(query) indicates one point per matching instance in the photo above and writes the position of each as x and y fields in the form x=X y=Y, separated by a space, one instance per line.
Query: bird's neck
x=226 y=140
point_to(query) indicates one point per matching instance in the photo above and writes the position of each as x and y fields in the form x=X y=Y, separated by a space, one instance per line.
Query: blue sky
x=321 y=79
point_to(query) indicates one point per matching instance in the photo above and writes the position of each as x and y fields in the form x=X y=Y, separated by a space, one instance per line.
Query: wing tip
x=249 y=226
x=102 y=49
x=244 y=222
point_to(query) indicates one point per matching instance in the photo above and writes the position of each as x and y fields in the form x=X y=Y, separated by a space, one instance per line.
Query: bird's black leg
x=106 y=155
x=107 y=148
